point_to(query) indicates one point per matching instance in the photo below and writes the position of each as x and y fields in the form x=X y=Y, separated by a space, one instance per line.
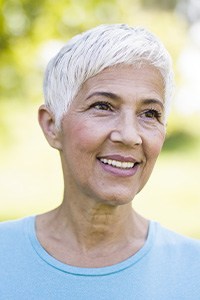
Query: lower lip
x=119 y=171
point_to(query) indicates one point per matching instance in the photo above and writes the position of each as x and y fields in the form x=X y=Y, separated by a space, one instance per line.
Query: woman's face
x=113 y=133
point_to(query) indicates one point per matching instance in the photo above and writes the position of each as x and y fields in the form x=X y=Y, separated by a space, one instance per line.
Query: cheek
x=84 y=137
x=154 y=144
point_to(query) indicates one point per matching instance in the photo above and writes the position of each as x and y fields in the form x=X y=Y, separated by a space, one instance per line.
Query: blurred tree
x=162 y=4
x=26 y=25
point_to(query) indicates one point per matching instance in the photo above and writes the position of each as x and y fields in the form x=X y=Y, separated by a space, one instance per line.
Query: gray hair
x=89 y=53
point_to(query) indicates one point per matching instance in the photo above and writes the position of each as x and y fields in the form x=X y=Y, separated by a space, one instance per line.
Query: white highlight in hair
x=87 y=54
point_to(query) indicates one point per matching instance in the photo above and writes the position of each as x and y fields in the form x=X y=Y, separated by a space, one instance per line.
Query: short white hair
x=87 y=54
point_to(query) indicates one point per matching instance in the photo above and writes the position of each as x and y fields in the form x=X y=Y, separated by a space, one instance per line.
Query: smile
x=117 y=164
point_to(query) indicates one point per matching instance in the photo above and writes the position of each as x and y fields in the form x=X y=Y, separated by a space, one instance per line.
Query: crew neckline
x=53 y=262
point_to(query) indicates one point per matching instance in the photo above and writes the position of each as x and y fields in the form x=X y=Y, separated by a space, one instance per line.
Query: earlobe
x=47 y=123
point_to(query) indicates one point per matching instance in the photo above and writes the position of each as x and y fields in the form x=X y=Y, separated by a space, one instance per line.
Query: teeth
x=117 y=164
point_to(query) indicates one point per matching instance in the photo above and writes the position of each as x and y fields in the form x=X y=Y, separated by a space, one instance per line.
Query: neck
x=94 y=224
x=92 y=232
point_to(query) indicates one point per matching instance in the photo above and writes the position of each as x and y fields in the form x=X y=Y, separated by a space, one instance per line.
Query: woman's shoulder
x=13 y=229
x=176 y=242
x=11 y=224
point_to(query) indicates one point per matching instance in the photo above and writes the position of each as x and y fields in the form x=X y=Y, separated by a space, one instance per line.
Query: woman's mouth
x=117 y=163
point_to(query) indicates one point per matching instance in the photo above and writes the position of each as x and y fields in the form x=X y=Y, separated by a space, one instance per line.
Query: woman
x=107 y=96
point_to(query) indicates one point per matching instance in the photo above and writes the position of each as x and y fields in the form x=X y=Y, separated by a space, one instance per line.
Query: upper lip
x=119 y=157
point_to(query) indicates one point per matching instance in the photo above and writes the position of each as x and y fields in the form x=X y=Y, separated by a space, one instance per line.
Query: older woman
x=107 y=98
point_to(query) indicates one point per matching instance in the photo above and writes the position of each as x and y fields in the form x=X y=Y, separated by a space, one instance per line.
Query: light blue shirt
x=167 y=267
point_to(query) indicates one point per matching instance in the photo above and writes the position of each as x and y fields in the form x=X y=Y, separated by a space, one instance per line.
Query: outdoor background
x=30 y=33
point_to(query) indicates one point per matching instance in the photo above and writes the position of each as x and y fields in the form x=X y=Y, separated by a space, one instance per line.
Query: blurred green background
x=33 y=31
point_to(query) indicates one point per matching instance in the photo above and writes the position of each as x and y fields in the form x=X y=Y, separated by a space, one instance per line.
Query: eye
x=101 y=105
x=152 y=114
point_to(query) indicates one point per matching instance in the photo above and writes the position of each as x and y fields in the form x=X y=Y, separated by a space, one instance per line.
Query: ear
x=47 y=123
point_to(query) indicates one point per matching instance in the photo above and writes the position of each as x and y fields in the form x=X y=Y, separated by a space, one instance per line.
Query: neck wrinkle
x=100 y=225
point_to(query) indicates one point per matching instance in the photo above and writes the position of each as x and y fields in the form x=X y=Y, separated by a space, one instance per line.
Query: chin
x=117 y=199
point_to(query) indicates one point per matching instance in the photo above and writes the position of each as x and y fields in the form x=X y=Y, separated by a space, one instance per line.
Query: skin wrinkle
x=96 y=221
x=94 y=50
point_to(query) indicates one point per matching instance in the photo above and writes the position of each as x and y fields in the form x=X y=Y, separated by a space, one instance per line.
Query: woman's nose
x=126 y=131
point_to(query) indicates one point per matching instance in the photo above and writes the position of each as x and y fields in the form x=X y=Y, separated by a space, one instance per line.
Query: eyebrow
x=104 y=94
x=153 y=101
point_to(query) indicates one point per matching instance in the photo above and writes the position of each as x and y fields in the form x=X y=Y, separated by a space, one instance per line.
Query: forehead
x=125 y=80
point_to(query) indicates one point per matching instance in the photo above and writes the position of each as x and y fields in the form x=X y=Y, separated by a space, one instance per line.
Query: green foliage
x=179 y=140
x=25 y=25
x=182 y=134
x=162 y=4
